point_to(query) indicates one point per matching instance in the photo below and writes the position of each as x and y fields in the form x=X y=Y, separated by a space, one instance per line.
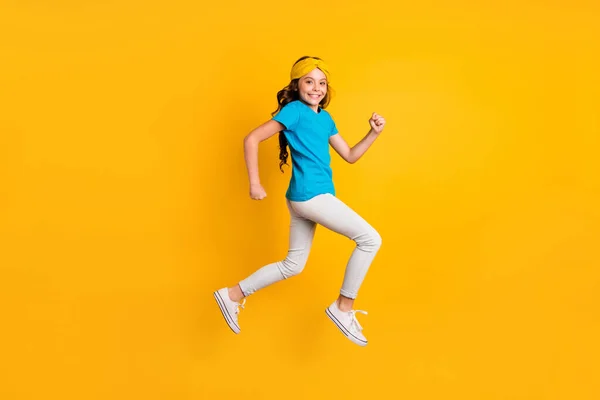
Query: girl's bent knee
x=377 y=239
x=370 y=241
x=290 y=267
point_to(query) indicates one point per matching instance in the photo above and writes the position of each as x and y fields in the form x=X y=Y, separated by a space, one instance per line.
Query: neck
x=314 y=108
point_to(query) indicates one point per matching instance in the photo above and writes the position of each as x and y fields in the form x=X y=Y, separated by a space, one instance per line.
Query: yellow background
x=124 y=200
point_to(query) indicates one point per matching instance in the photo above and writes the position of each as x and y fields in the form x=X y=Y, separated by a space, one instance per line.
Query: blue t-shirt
x=308 y=135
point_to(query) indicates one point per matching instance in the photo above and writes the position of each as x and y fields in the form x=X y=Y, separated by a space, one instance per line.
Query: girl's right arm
x=251 y=142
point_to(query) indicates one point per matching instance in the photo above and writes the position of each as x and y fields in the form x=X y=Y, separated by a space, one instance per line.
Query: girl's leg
x=332 y=213
x=301 y=236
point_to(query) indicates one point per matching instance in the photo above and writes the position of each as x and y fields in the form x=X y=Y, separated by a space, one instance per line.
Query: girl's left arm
x=353 y=154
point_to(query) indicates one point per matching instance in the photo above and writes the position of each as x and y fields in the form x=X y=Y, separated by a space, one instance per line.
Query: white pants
x=330 y=212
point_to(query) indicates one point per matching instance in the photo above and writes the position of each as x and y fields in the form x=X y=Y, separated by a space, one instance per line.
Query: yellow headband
x=305 y=66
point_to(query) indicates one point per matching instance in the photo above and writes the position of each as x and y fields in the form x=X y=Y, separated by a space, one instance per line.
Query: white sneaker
x=229 y=308
x=347 y=323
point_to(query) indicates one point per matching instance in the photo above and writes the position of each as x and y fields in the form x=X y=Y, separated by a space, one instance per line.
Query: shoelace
x=353 y=321
x=238 y=305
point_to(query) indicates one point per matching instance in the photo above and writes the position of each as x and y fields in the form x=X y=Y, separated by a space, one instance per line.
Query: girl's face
x=312 y=87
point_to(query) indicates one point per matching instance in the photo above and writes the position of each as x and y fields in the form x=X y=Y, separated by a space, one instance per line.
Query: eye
x=323 y=84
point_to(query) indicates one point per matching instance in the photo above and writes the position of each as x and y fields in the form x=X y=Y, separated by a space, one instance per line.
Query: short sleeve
x=288 y=116
x=333 y=128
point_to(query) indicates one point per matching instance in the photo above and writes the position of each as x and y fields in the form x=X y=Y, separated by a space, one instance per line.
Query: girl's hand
x=377 y=123
x=257 y=192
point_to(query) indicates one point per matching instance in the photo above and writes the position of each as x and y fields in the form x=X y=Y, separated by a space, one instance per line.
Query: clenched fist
x=257 y=192
x=377 y=123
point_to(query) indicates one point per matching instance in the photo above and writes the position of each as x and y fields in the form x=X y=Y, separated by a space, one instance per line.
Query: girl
x=308 y=130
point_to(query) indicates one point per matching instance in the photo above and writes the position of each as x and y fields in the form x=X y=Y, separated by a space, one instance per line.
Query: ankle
x=235 y=293
x=345 y=304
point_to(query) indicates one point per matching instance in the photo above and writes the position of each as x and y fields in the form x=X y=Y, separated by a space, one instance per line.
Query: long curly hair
x=285 y=96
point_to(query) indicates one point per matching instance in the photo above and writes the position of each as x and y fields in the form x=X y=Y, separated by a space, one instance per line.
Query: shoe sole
x=228 y=318
x=345 y=331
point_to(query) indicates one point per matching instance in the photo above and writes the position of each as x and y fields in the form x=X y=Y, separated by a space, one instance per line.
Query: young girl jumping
x=308 y=130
